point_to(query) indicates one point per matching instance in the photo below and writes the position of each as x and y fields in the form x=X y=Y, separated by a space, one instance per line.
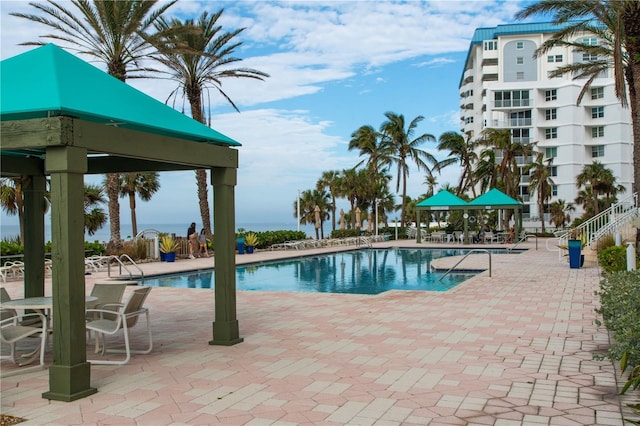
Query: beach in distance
x=179 y=229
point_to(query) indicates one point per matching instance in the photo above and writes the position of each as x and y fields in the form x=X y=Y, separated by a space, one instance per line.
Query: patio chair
x=5 y=312
x=110 y=322
x=108 y=293
x=13 y=331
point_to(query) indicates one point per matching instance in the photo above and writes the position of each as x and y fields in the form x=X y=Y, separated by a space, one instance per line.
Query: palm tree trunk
x=203 y=200
x=114 y=210
x=132 y=206
x=404 y=198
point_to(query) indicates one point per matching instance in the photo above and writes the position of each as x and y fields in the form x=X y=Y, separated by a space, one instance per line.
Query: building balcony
x=512 y=122
x=512 y=103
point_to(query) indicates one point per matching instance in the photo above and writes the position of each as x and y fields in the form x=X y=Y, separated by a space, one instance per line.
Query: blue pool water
x=370 y=271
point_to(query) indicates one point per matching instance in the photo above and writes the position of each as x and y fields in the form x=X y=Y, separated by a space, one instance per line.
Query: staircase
x=608 y=222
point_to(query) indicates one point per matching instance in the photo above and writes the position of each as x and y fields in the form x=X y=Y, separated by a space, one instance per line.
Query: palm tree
x=503 y=143
x=461 y=152
x=199 y=56
x=540 y=181
x=486 y=171
x=144 y=185
x=12 y=200
x=331 y=181
x=595 y=176
x=113 y=32
x=399 y=141
x=559 y=211
x=309 y=199
x=94 y=215
x=369 y=143
x=617 y=25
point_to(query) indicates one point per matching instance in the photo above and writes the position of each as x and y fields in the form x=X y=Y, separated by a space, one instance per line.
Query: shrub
x=613 y=259
x=345 y=233
x=620 y=304
x=606 y=242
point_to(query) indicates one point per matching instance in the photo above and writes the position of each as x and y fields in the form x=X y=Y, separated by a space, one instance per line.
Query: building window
x=597 y=151
x=551 y=152
x=519 y=60
x=519 y=44
x=597 y=112
x=597 y=132
x=597 y=92
x=551 y=114
x=520 y=135
x=519 y=75
x=550 y=95
x=520 y=118
x=554 y=190
x=554 y=171
x=554 y=58
x=551 y=133
x=491 y=45
x=589 y=57
x=511 y=98
x=590 y=41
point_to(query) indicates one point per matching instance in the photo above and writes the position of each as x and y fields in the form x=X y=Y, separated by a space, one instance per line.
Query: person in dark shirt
x=192 y=237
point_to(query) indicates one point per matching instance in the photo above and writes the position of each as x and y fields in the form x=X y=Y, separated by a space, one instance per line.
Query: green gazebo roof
x=494 y=198
x=441 y=200
x=48 y=81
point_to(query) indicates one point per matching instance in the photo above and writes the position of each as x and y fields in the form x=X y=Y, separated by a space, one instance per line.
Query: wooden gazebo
x=62 y=118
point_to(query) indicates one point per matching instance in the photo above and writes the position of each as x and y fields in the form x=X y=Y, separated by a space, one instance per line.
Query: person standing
x=192 y=238
x=203 y=243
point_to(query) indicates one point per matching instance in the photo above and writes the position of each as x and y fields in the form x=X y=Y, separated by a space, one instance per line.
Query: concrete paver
x=513 y=348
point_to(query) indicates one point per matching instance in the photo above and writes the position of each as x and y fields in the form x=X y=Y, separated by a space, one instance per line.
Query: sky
x=334 y=66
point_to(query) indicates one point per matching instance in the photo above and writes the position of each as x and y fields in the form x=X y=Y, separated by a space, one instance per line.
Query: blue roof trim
x=492 y=33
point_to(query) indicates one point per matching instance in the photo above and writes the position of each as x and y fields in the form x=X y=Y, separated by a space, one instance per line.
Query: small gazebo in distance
x=442 y=201
x=498 y=200
x=62 y=118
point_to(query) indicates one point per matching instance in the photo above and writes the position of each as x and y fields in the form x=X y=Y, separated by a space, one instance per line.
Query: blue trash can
x=575 y=249
x=240 y=242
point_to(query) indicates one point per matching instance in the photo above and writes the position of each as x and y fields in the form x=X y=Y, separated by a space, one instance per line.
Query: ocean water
x=180 y=229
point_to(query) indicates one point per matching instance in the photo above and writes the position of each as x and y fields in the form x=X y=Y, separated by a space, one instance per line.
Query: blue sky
x=334 y=67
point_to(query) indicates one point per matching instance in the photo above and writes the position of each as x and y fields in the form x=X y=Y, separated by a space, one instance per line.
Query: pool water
x=368 y=271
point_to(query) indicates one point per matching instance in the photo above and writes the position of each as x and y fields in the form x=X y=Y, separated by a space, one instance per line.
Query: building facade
x=504 y=86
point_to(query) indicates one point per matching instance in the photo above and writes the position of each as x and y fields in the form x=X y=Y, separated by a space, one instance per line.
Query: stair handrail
x=588 y=229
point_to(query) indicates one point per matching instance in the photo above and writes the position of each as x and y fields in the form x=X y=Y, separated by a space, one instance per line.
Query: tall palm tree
x=111 y=31
x=540 y=181
x=199 y=56
x=461 y=152
x=486 y=171
x=617 y=25
x=369 y=143
x=144 y=184
x=399 y=140
x=94 y=215
x=330 y=180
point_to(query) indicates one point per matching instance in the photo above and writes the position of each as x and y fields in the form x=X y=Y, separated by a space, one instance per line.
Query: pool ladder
x=121 y=265
x=464 y=257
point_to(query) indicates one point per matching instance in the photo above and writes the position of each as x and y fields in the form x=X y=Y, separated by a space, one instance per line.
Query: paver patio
x=515 y=348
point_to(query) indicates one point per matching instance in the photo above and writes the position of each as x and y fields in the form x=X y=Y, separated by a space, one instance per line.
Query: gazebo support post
x=465 y=215
x=33 y=189
x=225 y=327
x=418 y=233
x=70 y=374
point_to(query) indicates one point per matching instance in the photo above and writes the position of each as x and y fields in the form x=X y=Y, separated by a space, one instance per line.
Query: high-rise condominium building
x=504 y=86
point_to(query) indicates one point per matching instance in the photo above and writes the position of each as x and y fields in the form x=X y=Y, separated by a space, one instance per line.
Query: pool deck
x=511 y=349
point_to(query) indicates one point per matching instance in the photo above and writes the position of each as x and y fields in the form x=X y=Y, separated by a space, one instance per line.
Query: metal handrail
x=524 y=238
x=464 y=257
x=122 y=265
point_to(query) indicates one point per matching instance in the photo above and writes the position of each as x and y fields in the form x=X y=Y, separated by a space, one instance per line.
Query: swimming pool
x=365 y=271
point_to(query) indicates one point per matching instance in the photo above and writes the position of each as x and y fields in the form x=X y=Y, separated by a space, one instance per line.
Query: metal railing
x=464 y=257
x=604 y=223
x=121 y=265
x=523 y=239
